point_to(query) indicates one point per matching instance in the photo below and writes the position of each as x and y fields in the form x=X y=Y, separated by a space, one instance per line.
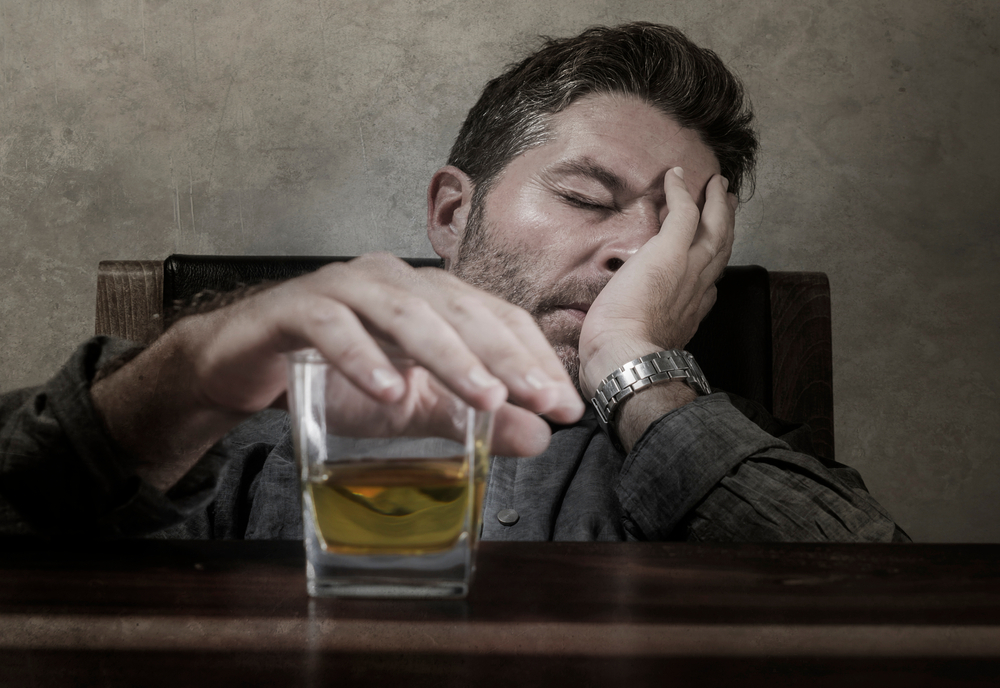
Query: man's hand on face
x=210 y=371
x=657 y=299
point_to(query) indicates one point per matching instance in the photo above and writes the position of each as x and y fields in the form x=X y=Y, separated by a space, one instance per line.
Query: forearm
x=153 y=410
x=708 y=472
x=781 y=496
x=62 y=474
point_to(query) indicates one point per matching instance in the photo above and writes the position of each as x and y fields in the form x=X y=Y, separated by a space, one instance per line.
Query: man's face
x=564 y=216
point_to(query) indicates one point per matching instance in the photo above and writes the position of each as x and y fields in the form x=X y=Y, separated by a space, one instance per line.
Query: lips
x=576 y=311
x=584 y=307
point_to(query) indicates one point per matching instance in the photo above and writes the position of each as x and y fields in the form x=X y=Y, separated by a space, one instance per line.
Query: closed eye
x=586 y=203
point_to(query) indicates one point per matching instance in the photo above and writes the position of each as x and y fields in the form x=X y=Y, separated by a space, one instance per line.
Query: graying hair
x=655 y=63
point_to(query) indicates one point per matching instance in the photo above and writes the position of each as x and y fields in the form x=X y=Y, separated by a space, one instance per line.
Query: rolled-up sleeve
x=708 y=472
x=62 y=475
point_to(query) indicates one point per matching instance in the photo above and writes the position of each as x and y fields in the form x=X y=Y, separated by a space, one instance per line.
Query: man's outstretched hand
x=208 y=372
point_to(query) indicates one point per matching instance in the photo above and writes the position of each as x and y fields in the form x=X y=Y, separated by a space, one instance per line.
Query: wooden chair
x=767 y=339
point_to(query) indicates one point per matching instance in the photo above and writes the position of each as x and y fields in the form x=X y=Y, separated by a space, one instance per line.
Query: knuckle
x=322 y=312
x=380 y=258
x=406 y=306
x=378 y=267
x=467 y=306
x=324 y=273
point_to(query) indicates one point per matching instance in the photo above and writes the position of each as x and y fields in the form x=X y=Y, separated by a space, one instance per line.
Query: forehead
x=624 y=134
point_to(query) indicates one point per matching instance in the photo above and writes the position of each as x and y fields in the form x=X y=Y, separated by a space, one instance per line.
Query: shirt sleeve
x=708 y=471
x=62 y=475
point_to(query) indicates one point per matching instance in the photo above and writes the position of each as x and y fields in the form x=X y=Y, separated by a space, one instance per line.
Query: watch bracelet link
x=640 y=373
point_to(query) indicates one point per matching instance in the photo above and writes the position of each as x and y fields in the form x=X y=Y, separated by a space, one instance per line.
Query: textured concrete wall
x=137 y=128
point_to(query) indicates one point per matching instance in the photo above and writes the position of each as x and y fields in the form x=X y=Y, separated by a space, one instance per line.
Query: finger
x=502 y=338
x=521 y=325
x=518 y=432
x=427 y=409
x=707 y=265
x=241 y=367
x=413 y=325
x=707 y=302
x=710 y=252
x=487 y=336
x=683 y=216
x=516 y=351
x=455 y=300
x=335 y=331
x=718 y=218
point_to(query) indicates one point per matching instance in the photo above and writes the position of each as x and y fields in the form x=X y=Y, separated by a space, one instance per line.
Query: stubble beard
x=490 y=264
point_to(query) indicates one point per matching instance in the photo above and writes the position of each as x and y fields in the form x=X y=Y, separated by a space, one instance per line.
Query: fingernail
x=383 y=379
x=481 y=378
x=679 y=172
x=725 y=184
x=537 y=379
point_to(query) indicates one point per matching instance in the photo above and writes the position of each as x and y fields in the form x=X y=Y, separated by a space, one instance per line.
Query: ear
x=449 y=199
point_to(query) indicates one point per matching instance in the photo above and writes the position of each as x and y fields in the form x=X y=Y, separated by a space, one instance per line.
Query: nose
x=624 y=238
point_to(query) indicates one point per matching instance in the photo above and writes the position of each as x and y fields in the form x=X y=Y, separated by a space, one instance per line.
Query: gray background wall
x=139 y=128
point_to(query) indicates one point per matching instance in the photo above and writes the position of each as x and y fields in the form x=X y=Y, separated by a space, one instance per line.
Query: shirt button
x=508 y=517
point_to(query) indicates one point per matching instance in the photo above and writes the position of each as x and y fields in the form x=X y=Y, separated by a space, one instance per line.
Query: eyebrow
x=588 y=168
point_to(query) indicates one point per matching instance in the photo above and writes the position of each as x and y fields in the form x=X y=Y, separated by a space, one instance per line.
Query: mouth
x=578 y=310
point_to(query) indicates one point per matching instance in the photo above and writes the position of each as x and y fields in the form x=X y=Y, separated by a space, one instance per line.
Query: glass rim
x=306 y=356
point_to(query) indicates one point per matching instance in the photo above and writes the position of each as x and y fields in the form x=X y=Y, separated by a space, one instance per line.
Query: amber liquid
x=391 y=506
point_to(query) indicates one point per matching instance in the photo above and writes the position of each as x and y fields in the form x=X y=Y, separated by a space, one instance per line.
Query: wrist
x=637 y=413
x=660 y=370
x=599 y=363
x=154 y=410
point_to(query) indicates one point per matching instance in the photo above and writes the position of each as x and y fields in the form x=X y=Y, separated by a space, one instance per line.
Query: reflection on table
x=540 y=614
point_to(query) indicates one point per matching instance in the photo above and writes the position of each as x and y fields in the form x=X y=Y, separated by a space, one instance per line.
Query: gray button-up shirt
x=716 y=469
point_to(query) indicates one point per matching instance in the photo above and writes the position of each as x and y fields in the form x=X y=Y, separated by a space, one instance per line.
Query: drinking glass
x=386 y=516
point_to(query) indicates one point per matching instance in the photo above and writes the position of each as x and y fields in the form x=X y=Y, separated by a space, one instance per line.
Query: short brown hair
x=655 y=63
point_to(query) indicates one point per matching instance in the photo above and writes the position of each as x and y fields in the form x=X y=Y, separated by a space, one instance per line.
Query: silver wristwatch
x=639 y=374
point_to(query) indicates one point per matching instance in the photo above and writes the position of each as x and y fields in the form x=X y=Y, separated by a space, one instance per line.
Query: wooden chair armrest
x=130 y=299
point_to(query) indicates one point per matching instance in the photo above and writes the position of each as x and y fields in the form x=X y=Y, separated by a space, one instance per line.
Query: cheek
x=530 y=221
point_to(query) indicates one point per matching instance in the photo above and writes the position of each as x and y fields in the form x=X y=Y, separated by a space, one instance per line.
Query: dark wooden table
x=156 y=613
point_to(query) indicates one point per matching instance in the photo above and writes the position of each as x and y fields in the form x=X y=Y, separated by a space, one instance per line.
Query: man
x=586 y=212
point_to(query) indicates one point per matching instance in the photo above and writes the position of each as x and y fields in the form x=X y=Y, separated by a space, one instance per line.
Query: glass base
x=440 y=575
x=386 y=587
